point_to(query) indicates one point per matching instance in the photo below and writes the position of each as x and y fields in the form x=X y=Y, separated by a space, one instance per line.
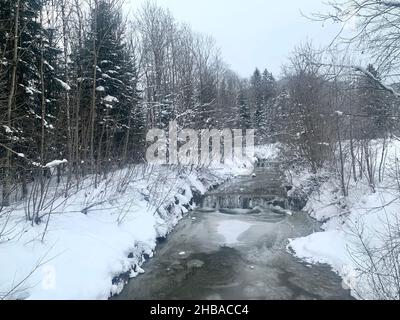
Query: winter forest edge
x=81 y=83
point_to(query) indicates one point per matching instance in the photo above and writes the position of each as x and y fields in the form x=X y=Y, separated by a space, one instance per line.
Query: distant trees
x=262 y=94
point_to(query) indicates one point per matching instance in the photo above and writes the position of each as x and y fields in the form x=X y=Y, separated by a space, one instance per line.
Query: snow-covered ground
x=96 y=234
x=360 y=233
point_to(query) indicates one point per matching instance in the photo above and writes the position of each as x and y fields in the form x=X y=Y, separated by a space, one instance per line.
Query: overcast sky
x=253 y=33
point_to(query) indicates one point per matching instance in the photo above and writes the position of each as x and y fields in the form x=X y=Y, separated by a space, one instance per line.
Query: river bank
x=214 y=255
x=81 y=252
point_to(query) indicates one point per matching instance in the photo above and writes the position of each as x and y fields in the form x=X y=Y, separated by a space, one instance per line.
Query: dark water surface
x=235 y=255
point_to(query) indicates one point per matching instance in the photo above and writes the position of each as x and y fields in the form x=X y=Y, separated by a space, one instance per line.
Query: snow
x=63 y=84
x=370 y=75
x=270 y=151
x=7 y=128
x=363 y=212
x=55 y=163
x=48 y=65
x=110 y=99
x=29 y=90
x=94 y=235
x=323 y=247
x=100 y=89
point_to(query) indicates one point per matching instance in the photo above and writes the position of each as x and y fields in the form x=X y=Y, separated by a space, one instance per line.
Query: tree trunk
x=342 y=179
x=93 y=104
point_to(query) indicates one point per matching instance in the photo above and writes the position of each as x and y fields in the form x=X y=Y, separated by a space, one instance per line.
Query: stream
x=235 y=254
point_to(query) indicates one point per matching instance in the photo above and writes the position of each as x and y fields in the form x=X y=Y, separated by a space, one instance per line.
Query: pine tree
x=257 y=92
x=30 y=79
x=115 y=81
x=269 y=94
x=245 y=116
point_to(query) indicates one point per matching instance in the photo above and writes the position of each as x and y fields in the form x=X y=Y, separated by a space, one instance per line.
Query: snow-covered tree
x=29 y=54
x=245 y=114
x=257 y=98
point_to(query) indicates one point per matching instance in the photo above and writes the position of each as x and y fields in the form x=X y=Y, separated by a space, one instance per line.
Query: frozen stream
x=214 y=255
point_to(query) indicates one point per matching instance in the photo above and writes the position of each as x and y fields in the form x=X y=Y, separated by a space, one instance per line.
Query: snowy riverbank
x=94 y=235
x=360 y=232
x=78 y=255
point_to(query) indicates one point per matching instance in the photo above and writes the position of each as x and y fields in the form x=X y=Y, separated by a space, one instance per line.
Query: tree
x=111 y=85
x=245 y=116
x=269 y=89
x=374 y=34
x=307 y=130
x=373 y=103
x=257 y=99
x=28 y=52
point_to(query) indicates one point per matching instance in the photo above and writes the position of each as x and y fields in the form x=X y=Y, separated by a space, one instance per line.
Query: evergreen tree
x=257 y=94
x=245 y=116
x=115 y=80
x=35 y=48
x=269 y=94
x=29 y=56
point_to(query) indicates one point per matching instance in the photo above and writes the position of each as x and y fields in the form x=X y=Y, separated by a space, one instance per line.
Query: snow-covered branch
x=364 y=71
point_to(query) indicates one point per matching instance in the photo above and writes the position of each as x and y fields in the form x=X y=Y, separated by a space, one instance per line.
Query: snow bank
x=95 y=235
x=350 y=223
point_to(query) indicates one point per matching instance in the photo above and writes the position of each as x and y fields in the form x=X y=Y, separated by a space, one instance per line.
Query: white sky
x=253 y=33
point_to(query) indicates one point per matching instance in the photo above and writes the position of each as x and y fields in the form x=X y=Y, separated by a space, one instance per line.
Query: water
x=235 y=254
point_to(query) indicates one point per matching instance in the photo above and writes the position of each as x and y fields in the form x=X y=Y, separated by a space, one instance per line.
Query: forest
x=83 y=81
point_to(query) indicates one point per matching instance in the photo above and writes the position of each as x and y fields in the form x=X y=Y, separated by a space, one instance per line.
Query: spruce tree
x=269 y=94
x=30 y=84
x=115 y=80
x=257 y=93
x=244 y=110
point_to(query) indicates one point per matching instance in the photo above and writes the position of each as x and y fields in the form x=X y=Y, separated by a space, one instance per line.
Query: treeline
x=81 y=81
